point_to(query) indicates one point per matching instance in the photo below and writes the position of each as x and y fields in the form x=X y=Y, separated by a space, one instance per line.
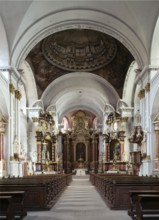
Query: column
x=148 y=122
x=96 y=153
x=105 y=143
x=122 y=152
x=93 y=155
x=65 y=152
x=147 y=163
x=68 y=154
x=11 y=122
x=157 y=145
x=17 y=113
x=1 y=147
x=2 y=161
x=101 y=153
x=39 y=152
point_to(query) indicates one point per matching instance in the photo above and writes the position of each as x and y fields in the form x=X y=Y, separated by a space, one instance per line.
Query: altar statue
x=43 y=154
x=137 y=118
x=115 y=157
x=16 y=145
x=30 y=167
x=48 y=155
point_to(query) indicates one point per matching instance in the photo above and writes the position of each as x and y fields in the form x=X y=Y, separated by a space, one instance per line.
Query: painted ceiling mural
x=79 y=50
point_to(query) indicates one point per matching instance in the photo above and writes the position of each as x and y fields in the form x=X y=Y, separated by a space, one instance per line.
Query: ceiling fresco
x=79 y=51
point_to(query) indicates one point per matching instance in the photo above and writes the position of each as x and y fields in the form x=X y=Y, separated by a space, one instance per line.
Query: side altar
x=122 y=151
x=47 y=160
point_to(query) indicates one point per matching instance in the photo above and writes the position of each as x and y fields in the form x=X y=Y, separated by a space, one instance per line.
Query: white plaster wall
x=155 y=46
x=68 y=19
x=154 y=110
x=23 y=131
x=30 y=85
x=129 y=84
x=32 y=146
x=4 y=51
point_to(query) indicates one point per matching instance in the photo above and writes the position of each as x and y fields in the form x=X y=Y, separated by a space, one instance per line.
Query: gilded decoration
x=80 y=122
x=141 y=94
x=11 y=88
x=18 y=95
x=79 y=50
x=124 y=119
x=2 y=124
x=147 y=87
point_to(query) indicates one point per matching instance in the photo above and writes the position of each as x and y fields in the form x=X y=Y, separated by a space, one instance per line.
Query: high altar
x=80 y=145
x=85 y=149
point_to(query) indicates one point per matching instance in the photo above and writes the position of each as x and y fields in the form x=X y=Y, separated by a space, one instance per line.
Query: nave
x=79 y=201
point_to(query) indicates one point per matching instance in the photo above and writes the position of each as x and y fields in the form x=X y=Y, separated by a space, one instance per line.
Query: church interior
x=79 y=90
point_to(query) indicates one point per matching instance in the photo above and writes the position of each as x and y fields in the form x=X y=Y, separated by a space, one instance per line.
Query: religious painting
x=81 y=151
x=115 y=149
x=46 y=151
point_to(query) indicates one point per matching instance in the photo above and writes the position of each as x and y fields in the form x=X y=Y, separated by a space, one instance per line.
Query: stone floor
x=80 y=201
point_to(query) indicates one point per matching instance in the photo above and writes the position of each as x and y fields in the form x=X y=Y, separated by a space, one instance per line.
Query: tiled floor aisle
x=80 y=201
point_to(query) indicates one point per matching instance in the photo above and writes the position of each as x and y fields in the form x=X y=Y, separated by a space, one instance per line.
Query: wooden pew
x=6 y=208
x=118 y=186
x=36 y=191
x=133 y=196
x=147 y=204
x=58 y=183
x=120 y=189
x=40 y=192
x=17 y=202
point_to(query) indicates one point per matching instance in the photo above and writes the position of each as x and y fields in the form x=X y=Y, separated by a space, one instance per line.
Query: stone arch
x=77 y=90
x=129 y=84
x=154 y=59
x=4 y=97
x=30 y=85
x=154 y=96
x=69 y=19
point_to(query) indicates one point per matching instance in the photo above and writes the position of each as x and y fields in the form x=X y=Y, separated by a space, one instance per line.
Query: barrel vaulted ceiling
x=78 y=52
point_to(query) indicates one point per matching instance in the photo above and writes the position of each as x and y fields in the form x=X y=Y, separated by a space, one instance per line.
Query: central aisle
x=80 y=201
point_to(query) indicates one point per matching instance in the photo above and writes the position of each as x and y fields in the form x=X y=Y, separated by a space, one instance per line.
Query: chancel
x=79 y=90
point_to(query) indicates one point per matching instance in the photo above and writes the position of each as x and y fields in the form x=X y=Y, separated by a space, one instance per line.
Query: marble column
x=39 y=151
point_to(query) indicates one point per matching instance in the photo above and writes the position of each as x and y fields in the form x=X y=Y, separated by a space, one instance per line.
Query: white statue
x=22 y=152
x=137 y=118
x=30 y=168
x=16 y=145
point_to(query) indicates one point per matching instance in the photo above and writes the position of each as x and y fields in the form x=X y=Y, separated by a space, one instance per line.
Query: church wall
x=17 y=124
x=154 y=111
x=4 y=50
x=23 y=134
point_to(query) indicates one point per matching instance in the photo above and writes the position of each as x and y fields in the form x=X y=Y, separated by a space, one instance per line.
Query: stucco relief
x=59 y=54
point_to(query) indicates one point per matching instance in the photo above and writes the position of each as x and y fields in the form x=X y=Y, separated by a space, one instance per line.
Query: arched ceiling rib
x=74 y=90
x=85 y=19
x=124 y=21
x=79 y=80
